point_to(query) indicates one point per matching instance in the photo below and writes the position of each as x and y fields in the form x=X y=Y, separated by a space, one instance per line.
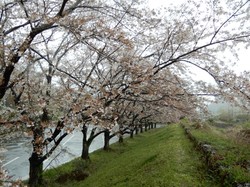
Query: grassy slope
x=233 y=153
x=161 y=157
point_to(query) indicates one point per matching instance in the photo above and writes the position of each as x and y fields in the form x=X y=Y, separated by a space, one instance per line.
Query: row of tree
x=70 y=64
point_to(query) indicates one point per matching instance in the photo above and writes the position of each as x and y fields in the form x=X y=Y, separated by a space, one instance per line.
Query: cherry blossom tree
x=206 y=35
x=108 y=64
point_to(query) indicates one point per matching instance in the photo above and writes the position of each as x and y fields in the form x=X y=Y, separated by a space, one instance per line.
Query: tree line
x=70 y=65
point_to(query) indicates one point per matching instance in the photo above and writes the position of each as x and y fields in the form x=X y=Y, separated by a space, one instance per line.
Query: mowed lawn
x=160 y=157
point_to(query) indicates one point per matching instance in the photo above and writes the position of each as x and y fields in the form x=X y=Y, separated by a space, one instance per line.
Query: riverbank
x=160 y=157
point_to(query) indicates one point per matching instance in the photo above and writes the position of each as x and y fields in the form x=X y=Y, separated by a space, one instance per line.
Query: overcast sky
x=162 y=3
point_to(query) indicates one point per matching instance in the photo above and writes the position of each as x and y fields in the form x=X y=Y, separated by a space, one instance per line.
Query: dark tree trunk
x=37 y=158
x=85 y=151
x=141 y=129
x=36 y=170
x=146 y=127
x=155 y=125
x=106 y=139
x=36 y=162
x=149 y=126
x=152 y=125
x=136 y=130
x=85 y=145
x=120 y=138
x=5 y=80
x=87 y=142
x=131 y=133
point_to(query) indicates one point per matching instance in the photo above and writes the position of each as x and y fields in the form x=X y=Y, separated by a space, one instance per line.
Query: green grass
x=161 y=157
x=246 y=125
x=235 y=155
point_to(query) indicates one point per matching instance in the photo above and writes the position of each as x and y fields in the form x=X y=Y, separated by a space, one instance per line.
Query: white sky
x=162 y=3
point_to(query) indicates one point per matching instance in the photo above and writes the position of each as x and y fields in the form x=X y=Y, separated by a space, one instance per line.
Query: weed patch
x=225 y=157
x=77 y=175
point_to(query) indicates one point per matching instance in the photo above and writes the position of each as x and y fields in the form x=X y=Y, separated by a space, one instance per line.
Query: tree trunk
x=146 y=127
x=120 y=138
x=136 y=130
x=149 y=127
x=141 y=129
x=106 y=139
x=131 y=133
x=36 y=170
x=36 y=163
x=5 y=80
x=85 y=151
x=155 y=125
x=85 y=144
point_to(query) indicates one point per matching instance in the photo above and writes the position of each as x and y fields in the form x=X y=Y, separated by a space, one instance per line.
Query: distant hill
x=228 y=112
x=218 y=108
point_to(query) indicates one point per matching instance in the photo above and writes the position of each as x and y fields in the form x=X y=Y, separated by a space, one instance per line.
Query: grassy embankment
x=232 y=150
x=161 y=157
